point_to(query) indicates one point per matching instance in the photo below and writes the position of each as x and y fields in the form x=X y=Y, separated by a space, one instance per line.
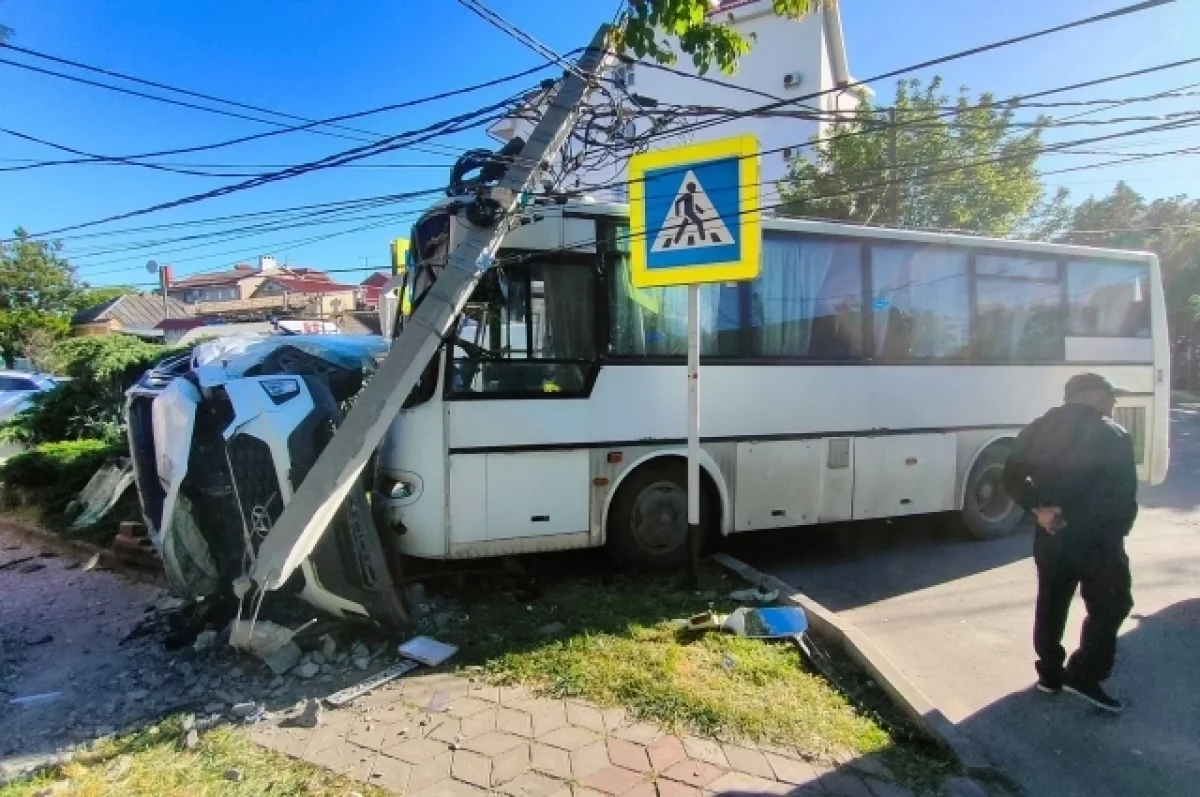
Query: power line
x=309 y=125
x=444 y=127
x=1114 y=14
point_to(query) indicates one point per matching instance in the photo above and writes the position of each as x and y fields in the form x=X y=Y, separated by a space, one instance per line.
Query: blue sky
x=321 y=58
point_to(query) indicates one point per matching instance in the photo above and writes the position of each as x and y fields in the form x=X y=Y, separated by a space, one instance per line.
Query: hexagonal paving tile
x=613 y=780
x=588 y=760
x=531 y=784
x=479 y=724
x=514 y=721
x=740 y=783
x=628 y=755
x=390 y=773
x=467 y=706
x=568 y=738
x=705 y=750
x=415 y=751
x=639 y=732
x=693 y=773
x=493 y=743
x=508 y=765
x=792 y=770
x=429 y=772
x=551 y=760
x=585 y=716
x=448 y=788
x=473 y=768
x=743 y=759
x=665 y=753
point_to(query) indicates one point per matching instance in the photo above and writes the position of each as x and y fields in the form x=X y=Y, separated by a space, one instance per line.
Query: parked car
x=18 y=387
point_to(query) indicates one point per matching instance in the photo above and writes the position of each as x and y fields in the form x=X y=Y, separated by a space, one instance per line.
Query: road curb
x=835 y=630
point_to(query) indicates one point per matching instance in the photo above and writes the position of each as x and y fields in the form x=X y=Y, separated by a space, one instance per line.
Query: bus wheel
x=647 y=522
x=988 y=512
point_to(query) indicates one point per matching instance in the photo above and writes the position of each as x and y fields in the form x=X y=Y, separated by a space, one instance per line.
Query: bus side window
x=1108 y=299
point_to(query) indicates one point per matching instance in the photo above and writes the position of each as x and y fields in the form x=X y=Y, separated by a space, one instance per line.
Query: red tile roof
x=295 y=285
x=376 y=280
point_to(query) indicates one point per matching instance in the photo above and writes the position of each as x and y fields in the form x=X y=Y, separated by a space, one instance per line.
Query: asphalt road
x=957 y=615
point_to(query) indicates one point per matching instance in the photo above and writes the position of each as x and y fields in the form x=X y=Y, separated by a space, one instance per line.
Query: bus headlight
x=399 y=486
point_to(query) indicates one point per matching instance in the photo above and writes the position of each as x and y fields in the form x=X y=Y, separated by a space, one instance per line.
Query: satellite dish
x=152 y=266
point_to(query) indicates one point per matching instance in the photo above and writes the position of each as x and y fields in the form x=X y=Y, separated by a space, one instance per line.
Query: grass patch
x=150 y=764
x=618 y=648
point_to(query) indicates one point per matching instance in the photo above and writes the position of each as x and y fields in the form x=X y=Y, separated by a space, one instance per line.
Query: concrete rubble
x=120 y=654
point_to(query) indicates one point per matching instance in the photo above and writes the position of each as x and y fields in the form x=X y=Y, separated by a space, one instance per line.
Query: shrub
x=62 y=468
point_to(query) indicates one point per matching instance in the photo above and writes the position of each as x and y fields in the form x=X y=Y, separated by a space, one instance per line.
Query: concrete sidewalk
x=444 y=736
x=956 y=617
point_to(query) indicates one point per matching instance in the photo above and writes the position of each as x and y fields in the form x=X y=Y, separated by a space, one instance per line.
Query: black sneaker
x=1094 y=694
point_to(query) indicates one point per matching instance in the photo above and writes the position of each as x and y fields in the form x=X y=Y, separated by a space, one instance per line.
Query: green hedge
x=57 y=468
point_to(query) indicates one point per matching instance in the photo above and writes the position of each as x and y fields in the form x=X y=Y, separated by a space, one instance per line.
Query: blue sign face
x=692 y=214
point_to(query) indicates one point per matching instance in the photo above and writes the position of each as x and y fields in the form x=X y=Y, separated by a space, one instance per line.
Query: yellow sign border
x=745 y=148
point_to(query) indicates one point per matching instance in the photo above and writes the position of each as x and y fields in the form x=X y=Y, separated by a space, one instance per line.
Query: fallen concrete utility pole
x=323 y=490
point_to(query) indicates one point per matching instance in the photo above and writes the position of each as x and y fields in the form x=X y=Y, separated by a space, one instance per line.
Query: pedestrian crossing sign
x=694 y=214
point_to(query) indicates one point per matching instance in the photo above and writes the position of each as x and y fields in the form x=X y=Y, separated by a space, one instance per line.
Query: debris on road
x=101 y=493
x=312 y=715
x=772 y=622
x=91 y=563
x=20 y=560
x=205 y=640
x=31 y=567
x=32 y=701
x=755 y=595
x=272 y=643
x=427 y=650
x=339 y=699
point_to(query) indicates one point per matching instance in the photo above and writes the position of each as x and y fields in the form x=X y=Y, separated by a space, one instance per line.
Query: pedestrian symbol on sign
x=693 y=221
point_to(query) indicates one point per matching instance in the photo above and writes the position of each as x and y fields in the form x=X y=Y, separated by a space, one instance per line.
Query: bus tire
x=988 y=513
x=647 y=522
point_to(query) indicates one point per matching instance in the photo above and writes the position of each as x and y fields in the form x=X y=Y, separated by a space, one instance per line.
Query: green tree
x=38 y=290
x=697 y=31
x=918 y=164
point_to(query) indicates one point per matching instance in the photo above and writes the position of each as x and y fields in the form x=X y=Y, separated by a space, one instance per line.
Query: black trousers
x=1102 y=575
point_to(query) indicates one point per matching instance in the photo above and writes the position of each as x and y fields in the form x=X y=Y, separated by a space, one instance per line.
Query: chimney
x=267 y=264
x=168 y=276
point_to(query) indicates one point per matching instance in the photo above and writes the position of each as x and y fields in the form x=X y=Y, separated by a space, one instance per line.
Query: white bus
x=867 y=373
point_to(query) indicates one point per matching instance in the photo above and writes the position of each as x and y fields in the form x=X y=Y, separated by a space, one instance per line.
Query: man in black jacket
x=1074 y=468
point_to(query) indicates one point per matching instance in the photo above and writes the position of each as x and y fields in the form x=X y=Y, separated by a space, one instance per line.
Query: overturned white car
x=221 y=439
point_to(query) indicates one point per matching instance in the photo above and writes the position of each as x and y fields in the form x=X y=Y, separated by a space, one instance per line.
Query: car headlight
x=281 y=390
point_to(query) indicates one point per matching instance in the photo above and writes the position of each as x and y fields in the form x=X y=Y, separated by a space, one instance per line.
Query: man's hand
x=1049 y=518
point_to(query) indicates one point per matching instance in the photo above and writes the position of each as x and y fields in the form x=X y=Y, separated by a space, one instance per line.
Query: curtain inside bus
x=807 y=302
x=652 y=322
x=921 y=302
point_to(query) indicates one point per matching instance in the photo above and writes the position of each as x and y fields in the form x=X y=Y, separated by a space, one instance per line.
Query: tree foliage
x=919 y=164
x=697 y=31
x=38 y=290
x=1169 y=227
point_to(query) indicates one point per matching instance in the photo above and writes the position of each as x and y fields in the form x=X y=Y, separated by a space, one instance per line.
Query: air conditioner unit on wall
x=792 y=80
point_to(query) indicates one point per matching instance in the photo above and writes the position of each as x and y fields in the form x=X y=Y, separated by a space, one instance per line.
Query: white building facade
x=789 y=59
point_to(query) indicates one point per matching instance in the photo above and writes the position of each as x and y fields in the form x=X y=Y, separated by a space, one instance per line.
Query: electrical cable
x=285 y=128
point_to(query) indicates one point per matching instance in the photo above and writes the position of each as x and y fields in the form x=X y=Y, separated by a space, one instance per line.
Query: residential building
x=789 y=59
x=371 y=287
x=132 y=314
x=320 y=297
